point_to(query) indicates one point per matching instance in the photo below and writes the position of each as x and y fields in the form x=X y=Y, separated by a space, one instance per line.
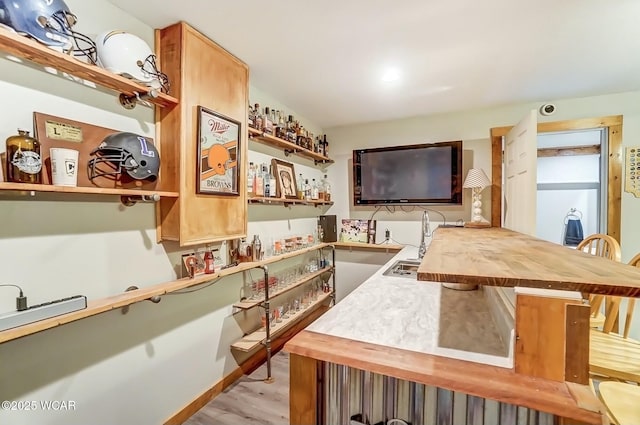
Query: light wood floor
x=250 y=400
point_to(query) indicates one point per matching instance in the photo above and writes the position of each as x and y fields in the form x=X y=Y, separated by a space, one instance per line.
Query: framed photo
x=218 y=168
x=285 y=179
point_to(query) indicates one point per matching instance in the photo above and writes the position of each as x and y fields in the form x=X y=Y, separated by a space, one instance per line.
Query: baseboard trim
x=247 y=367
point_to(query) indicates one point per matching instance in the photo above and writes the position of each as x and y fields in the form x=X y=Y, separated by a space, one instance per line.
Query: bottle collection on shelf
x=262 y=183
x=273 y=123
x=256 y=251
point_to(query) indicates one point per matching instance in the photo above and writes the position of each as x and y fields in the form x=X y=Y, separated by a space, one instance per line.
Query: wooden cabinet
x=201 y=74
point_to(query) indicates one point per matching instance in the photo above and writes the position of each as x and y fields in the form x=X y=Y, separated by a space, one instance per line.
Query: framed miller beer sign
x=218 y=169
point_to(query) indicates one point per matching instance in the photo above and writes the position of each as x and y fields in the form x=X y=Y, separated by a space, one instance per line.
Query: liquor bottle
x=258 y=185
x=251 y=175
x=300 y=187
x=307 y=190
x=272 y=183
x=24 y=162
x=326 y=146
x=283 y=125
x=291 y=130
x=266 y=180
x=314 y=190
x=251 y=122
x=327 y=189
x=300 y=139
x=257 y=117
x=209 y=262
x=279 y=129
x=267 y=124
x=322 y=188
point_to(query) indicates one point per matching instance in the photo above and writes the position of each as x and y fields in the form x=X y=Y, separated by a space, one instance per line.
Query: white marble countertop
x=397 y=312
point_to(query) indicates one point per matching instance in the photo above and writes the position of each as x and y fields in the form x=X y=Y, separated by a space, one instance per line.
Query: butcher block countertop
x=501 y=257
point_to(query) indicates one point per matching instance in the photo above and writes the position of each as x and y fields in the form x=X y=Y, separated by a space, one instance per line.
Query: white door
x=520 y=169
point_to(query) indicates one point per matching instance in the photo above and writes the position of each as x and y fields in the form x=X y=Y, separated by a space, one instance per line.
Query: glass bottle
x=209 y=262
x=272 y=183
x=251 y=174
x=291 y=130
x=314 y=190
x=327 y=189
x=266 y=180
x=257 y=117
x=252 y=117
x=24 y=162
x=307 y=190
x=267 y=124
x=258 y=184
x=321 y=189
x=300 y=187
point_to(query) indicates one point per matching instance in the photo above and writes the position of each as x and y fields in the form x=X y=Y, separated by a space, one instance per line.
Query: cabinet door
x=202 y=74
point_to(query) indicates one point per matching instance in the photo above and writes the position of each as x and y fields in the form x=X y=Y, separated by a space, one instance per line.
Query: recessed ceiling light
x=391 y=74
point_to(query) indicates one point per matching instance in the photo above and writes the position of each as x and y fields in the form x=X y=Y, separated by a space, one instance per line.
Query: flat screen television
x=425 y=174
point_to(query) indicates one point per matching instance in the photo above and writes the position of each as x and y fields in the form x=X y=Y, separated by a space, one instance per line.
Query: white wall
x=473 y=128
x=141 y=367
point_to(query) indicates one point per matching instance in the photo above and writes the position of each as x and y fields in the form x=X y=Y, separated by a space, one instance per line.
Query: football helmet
x=48 y=21
x=128 y=55
x=124 y=154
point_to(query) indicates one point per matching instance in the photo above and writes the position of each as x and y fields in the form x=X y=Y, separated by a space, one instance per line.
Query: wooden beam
x=569 y=151
x=614 y=186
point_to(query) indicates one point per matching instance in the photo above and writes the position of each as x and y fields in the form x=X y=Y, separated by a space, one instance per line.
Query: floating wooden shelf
x=247 y=304
x=368 y=246
x=26 y=187
x=284 y=201
x=21 y=47
x=131 y=297
x=288 y=147
x=255 y=339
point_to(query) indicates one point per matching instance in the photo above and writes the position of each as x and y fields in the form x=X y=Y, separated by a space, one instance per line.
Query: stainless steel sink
x=403 y=268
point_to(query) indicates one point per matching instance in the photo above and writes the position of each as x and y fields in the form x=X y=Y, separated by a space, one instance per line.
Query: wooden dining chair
x=622 y=401
x=606 y=246
x=612 y=309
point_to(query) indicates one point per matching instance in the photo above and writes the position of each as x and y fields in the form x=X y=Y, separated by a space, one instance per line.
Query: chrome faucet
x=426 y=233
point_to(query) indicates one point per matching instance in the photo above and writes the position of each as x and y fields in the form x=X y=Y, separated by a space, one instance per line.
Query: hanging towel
x=573 y=232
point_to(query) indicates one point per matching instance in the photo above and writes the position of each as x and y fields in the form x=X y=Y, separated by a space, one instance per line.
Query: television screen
x=413 y=174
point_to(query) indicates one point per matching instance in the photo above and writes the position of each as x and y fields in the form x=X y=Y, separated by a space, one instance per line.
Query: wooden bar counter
x=393 y=327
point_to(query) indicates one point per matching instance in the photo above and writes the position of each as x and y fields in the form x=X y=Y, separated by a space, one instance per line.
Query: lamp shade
x=476 y=178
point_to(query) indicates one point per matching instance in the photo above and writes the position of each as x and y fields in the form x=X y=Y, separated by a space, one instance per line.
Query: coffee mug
x=64 y=167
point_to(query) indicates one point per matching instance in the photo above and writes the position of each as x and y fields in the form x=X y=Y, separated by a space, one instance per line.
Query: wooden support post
x=303 y=390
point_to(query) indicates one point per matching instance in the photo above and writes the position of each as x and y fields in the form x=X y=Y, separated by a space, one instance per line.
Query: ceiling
x=325 y=59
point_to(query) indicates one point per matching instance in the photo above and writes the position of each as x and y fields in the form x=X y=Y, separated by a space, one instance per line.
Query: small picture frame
x=218 y=167
x=285 y=179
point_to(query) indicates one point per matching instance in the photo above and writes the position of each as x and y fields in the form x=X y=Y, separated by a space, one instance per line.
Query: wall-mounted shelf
x=21 y=47
x=247 y=304
x=26 y=187
x=256 y=339
x=289 y=148
x=285 y=202
x=359 y=246
x=131 y=297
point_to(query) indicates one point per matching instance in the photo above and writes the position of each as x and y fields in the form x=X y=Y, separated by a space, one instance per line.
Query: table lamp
x=477 y=180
